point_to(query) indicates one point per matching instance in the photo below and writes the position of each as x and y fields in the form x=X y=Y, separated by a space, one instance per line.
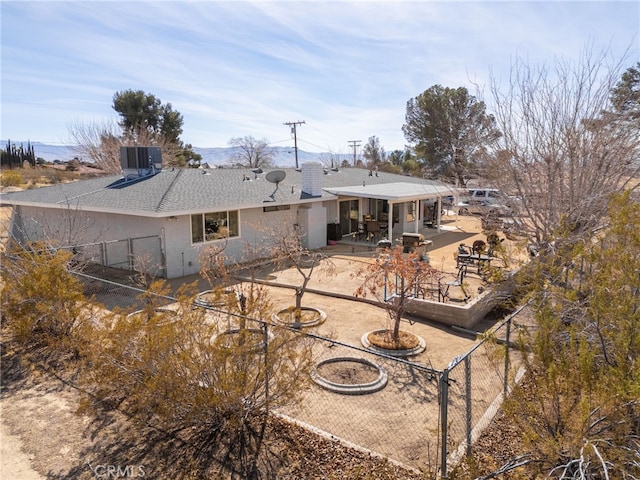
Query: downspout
x=163 y=252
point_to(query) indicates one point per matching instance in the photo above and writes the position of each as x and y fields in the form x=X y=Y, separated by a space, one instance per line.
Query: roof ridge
x=168 y=190
x=67 y=200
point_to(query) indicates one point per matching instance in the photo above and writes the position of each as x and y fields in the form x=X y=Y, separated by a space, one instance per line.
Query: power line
x=324 y=149
x=354 y=144
x=280 y=141
x=295 y=138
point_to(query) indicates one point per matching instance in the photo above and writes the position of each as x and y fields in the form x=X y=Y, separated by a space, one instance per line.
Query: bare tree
x=252 y=153
x=101 y=142
x=283 y=246
x=332 y=158
x=578 y=408
x=373 y=152
x=289 y=249
x=562 y=152
x=394 y=278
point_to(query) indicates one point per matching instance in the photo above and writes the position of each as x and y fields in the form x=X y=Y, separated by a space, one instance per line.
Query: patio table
x=467 y=257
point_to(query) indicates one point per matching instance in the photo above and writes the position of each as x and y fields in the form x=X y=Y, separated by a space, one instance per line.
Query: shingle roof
x=182 y=191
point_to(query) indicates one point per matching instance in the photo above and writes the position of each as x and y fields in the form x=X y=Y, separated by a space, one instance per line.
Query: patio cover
x=395 y=192
x=398 y=192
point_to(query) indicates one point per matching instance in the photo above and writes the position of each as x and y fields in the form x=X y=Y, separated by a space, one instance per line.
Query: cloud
x=243 y=68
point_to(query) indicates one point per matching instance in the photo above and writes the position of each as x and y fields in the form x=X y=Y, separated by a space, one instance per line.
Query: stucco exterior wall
x=256 y=228
x=182 y=257
x=312 y=220
x=119 y=241
x=70 y=227
x=333 y=215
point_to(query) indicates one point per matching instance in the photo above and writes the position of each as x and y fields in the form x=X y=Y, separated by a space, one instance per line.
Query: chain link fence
x=136 y=254
x=410 y=413
x=384 y=405
x=474 y=385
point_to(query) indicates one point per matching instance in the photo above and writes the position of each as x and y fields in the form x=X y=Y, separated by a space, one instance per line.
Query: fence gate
x=136 y=254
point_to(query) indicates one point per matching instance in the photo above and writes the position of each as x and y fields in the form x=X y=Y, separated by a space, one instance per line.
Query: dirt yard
x=42 y=436
x=401 y=420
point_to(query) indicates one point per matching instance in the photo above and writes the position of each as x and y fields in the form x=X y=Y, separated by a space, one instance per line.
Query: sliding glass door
x=349 y=214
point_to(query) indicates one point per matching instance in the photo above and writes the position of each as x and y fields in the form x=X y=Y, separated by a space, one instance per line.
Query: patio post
x=390 y=221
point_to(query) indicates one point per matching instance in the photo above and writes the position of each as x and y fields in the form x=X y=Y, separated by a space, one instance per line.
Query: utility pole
x=295 y=137
x=354 y=144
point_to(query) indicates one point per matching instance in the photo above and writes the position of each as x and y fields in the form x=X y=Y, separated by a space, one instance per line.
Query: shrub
x=42 y=302
x=73 y=165
x=10 y=178
x=181 y=373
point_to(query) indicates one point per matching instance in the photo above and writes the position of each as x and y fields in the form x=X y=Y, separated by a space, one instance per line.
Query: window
x=378 y=208
x=276 y=208
x=214 y=226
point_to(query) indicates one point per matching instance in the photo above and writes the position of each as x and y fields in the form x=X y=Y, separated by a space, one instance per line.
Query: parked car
x=484 y=201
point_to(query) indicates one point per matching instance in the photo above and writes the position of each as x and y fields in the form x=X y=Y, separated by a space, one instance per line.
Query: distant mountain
x=282 y=156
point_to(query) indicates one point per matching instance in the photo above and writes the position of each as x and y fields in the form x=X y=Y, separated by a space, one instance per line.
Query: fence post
x=103 y=254
x=163 y=257
x=506 y=358
x=444 y=401
x=131 y=253
x=265 y=339
x=467 y=379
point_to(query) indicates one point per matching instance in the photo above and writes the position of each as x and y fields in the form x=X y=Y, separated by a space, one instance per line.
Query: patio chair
x=493 y=240
x=478 y=247
x=443 y=293
x=463 y=256
x=360 y=233
x=373 y=230
x=481 y=257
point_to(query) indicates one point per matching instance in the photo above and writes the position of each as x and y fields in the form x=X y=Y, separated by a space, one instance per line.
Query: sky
x=238 y=68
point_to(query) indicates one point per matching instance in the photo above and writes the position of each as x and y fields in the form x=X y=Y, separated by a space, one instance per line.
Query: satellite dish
x=275 y=176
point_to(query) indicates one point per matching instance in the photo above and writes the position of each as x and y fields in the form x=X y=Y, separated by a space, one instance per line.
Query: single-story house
x=158 y=219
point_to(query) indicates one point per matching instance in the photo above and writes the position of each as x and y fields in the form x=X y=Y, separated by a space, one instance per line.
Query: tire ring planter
x=173 y=314
x=322 y=316
x=307 y=261
x=421 y=347
x=351 y=389
x=202 y=301
x=254 y=348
